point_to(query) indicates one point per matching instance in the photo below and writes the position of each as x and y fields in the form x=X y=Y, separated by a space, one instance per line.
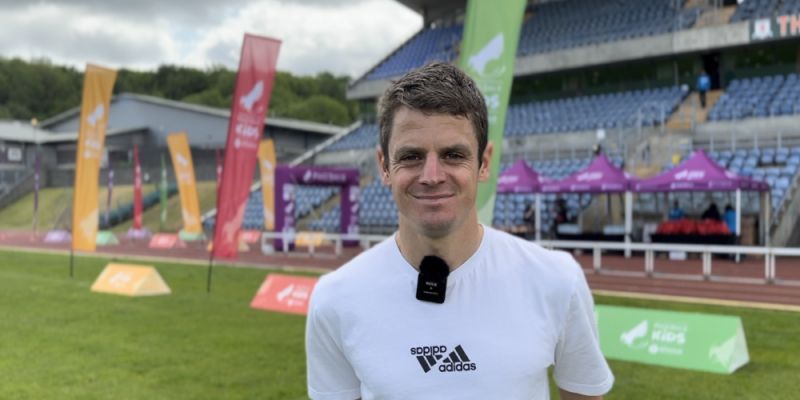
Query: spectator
x=730 y=218
x=703 y=85
x=530 y=219
x=712 y=212
x=676 y=212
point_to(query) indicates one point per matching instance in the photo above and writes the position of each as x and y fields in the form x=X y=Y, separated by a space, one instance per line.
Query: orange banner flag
x=187 y=187
x=97 y=85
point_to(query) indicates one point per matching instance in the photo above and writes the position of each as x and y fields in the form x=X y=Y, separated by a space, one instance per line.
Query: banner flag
x=266 y=163
x=137 y=189
x=187 y=188
x=162 y=188
x=488 y=52
x=257 y=68
x=98 y=83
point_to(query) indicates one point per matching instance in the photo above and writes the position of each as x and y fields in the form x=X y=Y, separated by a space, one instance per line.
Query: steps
x=711 y=17
x=690 y=113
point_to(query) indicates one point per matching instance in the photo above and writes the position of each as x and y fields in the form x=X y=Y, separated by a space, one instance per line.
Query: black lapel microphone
x=432 y=281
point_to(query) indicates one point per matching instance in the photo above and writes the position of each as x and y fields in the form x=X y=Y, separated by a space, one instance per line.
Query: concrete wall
x=681 y=42
x=746 y=132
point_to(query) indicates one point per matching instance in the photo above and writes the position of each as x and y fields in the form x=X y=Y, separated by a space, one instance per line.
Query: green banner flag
x=163 y=191
x=488 y=52
x=704 y=342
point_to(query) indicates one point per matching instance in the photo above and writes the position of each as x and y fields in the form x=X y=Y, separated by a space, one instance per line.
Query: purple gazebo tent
x=701 y=174
x=600 y=176
x=521 y=178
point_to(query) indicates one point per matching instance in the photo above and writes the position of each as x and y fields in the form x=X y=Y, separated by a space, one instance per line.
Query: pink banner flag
x=257 y=68
x=137 y=189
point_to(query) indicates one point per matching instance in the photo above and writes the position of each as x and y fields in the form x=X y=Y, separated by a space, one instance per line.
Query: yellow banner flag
x=266 y=166
x=184 y=174
x=97 y=85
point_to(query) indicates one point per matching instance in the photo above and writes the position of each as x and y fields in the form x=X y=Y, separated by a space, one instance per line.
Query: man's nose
x=432 y=172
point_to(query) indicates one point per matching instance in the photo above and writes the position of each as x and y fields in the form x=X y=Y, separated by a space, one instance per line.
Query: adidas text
x=426 y=350
x=454 y=367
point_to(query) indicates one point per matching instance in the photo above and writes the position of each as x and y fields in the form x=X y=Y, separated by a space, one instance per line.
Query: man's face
x=433 y=171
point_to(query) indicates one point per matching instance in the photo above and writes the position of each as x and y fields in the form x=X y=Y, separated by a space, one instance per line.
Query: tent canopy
x=519 y=178
x=600 y=176
x=699 y=173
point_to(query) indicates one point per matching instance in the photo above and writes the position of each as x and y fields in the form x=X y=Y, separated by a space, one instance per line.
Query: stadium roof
x=432 y=10
x=23 y=132
x=270 y=121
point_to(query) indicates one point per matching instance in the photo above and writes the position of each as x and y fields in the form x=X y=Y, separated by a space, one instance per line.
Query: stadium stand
x=307 y=198
x=612 y=110
x=755 y=9
x=363 y=137
x=758 y=97
x=551 y=26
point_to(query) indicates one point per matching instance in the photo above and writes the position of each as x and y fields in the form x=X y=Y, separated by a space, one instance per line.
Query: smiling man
x=498 y=311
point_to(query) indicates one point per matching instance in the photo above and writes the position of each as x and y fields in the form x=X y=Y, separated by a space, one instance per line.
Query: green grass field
x=53 y=202
x=58 y=340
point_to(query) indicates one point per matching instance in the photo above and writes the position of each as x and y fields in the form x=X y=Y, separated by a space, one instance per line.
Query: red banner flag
x=137 y=189
x=257 y=68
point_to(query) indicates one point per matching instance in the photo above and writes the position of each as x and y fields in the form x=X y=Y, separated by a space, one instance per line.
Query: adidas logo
x=456 y=361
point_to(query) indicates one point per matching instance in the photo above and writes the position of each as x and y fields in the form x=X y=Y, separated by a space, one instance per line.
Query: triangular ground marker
x=130 y=280
x=284 y=293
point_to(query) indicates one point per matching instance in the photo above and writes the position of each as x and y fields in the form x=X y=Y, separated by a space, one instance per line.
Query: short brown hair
x=437 y=88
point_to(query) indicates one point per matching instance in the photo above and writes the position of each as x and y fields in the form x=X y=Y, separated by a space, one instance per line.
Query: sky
x=345 y=37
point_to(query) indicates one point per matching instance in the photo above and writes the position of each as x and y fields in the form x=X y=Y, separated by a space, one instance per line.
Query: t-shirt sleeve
x=330 y=375
x=580 y=366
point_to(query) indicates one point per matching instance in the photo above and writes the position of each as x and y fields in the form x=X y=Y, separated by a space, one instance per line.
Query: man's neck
x=455 y=248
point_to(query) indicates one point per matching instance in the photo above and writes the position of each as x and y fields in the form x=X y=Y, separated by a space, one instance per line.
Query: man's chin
x=437 y=229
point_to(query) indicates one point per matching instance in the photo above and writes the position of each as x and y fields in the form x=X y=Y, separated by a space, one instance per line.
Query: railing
x=705 y=251
x=338 y=239
x=769 y=254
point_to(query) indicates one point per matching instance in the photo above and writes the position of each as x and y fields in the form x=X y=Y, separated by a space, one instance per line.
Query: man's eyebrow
x=457 y=148
x=407 y=149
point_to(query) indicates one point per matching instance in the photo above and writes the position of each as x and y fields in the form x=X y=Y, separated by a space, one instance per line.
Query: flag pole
x=210 y=267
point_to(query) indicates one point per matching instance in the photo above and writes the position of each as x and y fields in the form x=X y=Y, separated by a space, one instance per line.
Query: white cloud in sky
x=344 y=37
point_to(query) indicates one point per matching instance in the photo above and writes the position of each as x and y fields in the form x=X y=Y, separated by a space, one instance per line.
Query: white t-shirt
x=511 y=310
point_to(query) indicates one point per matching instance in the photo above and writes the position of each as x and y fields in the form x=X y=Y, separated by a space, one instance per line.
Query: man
x=676 y=212
x=703 y=86
x=511 y=308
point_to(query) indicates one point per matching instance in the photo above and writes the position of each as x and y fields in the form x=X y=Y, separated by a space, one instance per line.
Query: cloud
x=343 y=37
x=347 y=39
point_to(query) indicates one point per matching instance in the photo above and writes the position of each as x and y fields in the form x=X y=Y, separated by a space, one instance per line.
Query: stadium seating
x=509 y=208
x=551 y=26
x=621 y=109
x=307 y=198
x=758 y=97
x=566 y=24
x=363 y=137
x=755 y=9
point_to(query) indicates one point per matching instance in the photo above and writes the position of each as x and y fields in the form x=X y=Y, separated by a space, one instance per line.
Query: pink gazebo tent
x=699 y=173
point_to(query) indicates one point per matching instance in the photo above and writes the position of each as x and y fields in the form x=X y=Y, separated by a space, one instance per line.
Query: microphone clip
x=432 y=280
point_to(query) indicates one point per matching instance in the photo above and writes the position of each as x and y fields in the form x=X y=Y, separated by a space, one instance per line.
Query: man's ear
x=379 y=157
x=486 y=159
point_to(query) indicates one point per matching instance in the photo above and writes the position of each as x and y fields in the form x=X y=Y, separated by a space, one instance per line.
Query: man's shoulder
x=363 y=267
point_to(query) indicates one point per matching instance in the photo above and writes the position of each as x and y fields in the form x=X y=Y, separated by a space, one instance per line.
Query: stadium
x=600 y=88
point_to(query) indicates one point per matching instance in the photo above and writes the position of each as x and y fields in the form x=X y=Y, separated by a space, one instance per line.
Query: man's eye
x=454 y=155
x=409 y=157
